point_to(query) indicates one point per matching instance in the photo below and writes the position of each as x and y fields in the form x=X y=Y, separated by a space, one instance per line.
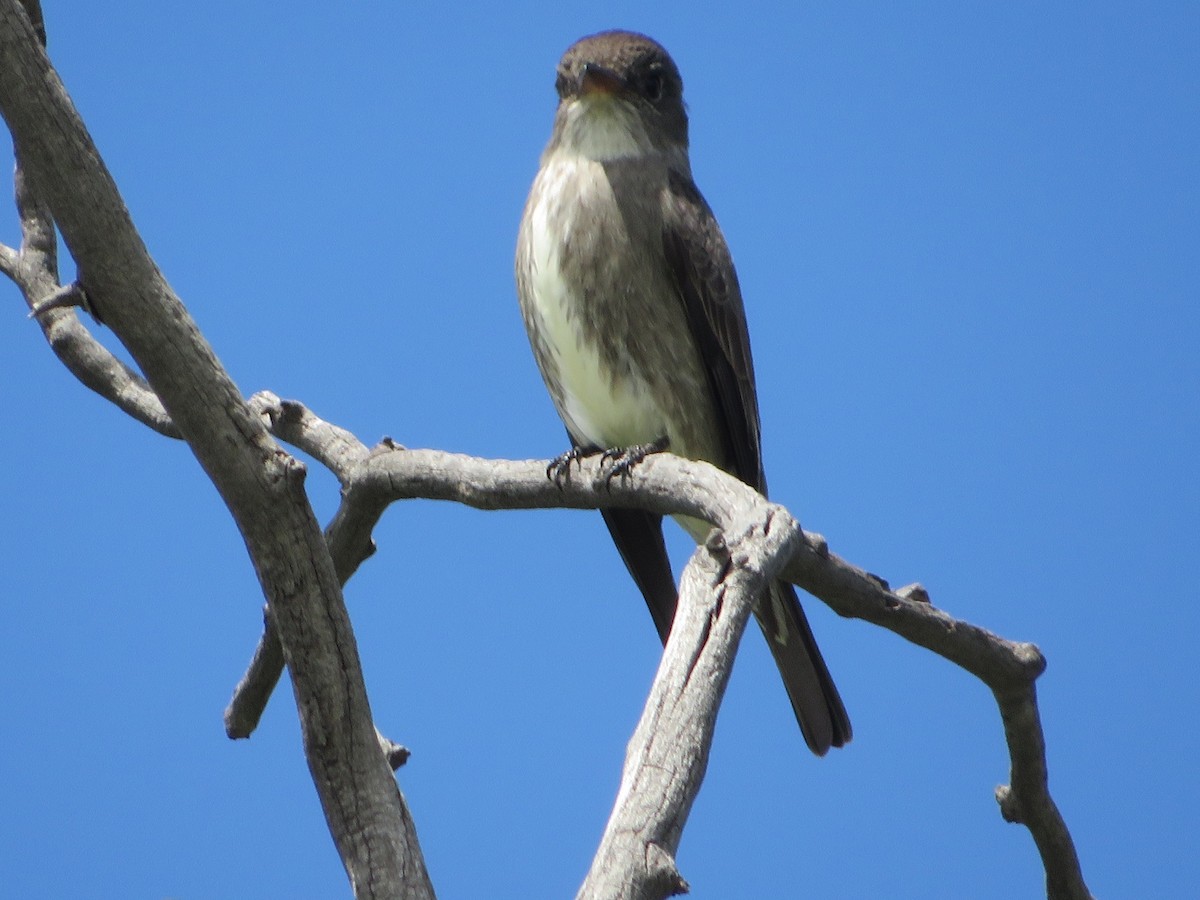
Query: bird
x=629 y=295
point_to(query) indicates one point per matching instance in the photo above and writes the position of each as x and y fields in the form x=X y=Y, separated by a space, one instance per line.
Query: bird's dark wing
x=700 y=263
x=702 y=268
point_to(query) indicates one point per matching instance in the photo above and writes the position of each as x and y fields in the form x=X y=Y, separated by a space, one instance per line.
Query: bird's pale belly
x=599 y=406
x=609 y=333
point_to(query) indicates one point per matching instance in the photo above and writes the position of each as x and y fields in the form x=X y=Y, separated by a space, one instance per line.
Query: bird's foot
x=621 y=460
x=559 y=470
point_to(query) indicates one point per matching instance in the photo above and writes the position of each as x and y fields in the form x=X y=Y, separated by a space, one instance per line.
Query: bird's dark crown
x=644 y=67
x=634 y=68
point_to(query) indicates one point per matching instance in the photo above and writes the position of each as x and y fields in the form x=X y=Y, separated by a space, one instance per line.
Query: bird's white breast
x=601 y=406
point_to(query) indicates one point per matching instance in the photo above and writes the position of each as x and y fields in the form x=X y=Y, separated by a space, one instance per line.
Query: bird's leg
x=559 y=469
x=623 y=459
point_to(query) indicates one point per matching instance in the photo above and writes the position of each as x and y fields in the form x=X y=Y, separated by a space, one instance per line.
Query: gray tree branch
x=262 y=486
x=670 y=485
x=186 y=393
x=34 y=269
x=668 y=753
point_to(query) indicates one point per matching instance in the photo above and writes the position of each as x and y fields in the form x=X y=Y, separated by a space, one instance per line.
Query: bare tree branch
x=669 y=485
x=257 y=684
x=67 y=296
x=60 y=178
x=1028 y=802
x=348 y=537
x=261 y=485
x=668 y=753
x=35 y=271
x=1009 y=668
x=9 y=260
x=335 y=448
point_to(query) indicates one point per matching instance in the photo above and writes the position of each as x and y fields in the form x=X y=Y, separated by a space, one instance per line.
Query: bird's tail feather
x=815 y=700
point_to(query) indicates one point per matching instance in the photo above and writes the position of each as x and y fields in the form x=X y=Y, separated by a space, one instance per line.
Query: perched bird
x=632 y=305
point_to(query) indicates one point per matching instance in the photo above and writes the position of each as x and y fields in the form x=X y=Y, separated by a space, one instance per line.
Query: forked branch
x=186 y=393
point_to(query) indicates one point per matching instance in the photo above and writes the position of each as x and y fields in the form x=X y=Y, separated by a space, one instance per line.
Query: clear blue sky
x=969 y=241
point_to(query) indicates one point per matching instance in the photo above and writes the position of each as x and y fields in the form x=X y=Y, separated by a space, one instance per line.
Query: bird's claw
x=621 y=460
x=559 y=469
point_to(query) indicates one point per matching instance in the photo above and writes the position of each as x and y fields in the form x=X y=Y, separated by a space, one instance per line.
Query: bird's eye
x=652 y=86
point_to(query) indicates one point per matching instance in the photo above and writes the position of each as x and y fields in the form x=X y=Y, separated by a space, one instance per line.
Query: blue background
x=969 y=240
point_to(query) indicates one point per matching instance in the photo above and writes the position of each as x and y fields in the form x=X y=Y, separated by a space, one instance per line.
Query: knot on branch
x=1030 y=658
x=395 y=754
x=662 y=873
x=817 y=544
x=915 y=592
x=1010 y=805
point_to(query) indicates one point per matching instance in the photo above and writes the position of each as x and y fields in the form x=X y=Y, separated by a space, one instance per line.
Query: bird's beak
x=596 y=79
